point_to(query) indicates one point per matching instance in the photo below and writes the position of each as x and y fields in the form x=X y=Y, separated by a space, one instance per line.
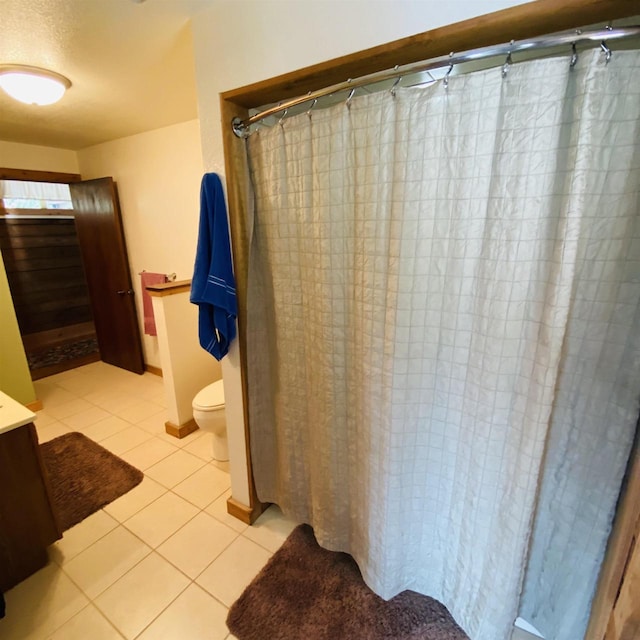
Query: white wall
x=237 y=43
x=15 y=155
x=158 y=175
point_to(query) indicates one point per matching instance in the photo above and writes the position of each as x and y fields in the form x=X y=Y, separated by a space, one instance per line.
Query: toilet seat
x=211 y=397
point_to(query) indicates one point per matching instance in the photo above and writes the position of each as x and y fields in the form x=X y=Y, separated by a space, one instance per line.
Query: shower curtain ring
x=606 y=50
x=392 y=91
x=446 y=75
x=284 y=115
x=574 y=55
x=313 y=104
x=506 y=65
x=350 y=98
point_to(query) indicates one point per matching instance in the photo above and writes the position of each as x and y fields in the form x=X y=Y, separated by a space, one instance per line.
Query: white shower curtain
x=443 y=349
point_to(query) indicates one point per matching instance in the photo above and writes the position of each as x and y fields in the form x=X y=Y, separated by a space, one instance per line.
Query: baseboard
x=36 y=405
x=157 y=371
x=180 y=431
x=246 y=514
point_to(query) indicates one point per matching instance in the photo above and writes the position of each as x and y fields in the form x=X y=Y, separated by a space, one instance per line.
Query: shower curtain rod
x=242 y=129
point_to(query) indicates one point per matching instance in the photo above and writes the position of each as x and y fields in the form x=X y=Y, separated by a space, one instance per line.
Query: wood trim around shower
x=515 y=23
x=519 y=22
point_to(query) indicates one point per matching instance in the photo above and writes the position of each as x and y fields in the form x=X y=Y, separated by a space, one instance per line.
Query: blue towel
x=213 y=287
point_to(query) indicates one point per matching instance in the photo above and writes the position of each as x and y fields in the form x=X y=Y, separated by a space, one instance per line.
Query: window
x=21 y=194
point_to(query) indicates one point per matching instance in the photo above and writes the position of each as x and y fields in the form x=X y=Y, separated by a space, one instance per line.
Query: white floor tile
x=110 y=399
x=271 y=529
x=155 y=423
x=175 y=468
x=148 y=453
x=139 y=411
x=87 y=624
x=141 y=595
x=85 y=418
x=194 y=615
x=231 y=572
x=40 y=604
x=125 y=440
x=162 y=518
x=43 y=419
x=105 y=428
x=51 y=431
x=202 y=447
x=152 y=391
x=82 y=536
x=99 y=566
x=159 y=398
x=82 y=384
x=135 y=500
x=66 y=409
x=52 y=395
x=218 y=509
x=204 y=486
x=197 y=544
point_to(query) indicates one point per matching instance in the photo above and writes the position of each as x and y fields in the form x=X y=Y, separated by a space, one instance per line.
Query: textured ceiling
x=130 y=63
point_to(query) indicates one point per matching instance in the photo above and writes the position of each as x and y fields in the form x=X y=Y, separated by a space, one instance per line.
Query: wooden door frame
x=519 y=22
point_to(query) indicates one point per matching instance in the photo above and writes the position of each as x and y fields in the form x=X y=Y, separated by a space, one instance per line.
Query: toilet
x=208 y=412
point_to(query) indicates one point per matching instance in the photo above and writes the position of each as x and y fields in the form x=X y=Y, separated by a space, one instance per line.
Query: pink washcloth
x=147 y=279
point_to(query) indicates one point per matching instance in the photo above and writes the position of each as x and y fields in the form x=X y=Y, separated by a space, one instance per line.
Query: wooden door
x=104 y=253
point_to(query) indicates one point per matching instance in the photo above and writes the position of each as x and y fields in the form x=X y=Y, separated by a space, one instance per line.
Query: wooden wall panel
x=45 y=273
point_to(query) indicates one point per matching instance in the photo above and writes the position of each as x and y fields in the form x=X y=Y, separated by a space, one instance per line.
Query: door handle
x=122 y=292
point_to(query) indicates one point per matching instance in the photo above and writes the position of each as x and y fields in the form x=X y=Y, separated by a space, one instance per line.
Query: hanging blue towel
x=213 y=287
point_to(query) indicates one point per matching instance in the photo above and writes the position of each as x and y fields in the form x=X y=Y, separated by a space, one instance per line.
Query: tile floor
x=164 y=561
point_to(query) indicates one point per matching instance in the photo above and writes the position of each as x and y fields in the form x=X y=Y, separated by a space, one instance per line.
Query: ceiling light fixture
x=32 y=85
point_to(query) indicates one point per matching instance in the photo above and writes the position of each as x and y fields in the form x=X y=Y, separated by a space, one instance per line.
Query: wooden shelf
x=169 y=288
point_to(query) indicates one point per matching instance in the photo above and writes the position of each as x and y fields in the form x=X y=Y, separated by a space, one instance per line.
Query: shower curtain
x=442 y=334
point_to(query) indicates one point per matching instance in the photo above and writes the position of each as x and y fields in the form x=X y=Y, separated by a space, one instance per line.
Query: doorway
x=96 y=317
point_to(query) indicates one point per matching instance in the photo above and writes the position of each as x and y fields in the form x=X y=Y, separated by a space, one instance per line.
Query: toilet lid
x=210 y=397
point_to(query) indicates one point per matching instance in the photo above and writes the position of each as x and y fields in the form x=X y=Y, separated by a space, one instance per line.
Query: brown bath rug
x=84 y=476
x=308 y=593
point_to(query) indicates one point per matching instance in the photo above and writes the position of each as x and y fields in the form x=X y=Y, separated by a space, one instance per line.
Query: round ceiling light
x=32 y=85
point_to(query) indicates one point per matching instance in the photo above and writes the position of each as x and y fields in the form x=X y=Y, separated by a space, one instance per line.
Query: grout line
x=165 y=608
x=118 y=523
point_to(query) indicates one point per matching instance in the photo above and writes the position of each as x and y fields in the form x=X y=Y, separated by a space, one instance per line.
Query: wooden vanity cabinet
x=28 y=523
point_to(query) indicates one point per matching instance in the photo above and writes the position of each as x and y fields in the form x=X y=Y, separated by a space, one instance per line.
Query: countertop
x=13 y=414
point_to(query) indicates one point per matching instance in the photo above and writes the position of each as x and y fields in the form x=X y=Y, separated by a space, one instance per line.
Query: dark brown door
x=104 y=253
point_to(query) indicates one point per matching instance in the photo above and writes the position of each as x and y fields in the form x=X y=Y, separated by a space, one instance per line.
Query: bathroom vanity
x=27 y=521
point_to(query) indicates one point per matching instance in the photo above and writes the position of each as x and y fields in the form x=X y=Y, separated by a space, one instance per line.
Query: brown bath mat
x=84 y=476
x=308 y=593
